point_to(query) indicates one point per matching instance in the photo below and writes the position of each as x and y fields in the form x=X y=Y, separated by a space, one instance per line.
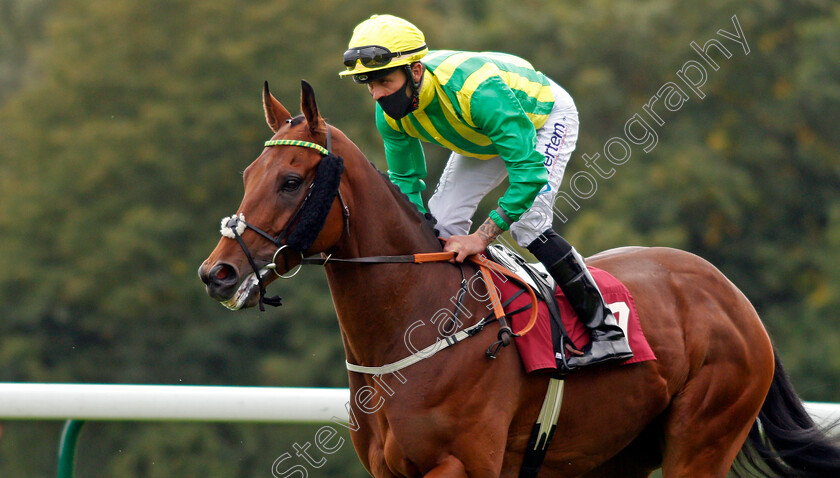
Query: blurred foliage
x=125 y=125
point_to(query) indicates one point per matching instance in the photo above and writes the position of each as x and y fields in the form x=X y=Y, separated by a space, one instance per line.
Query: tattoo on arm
x=489 y=231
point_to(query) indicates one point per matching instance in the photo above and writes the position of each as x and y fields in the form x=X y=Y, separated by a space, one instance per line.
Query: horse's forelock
x=291 y=130
x=320 y=129
x=428 y=220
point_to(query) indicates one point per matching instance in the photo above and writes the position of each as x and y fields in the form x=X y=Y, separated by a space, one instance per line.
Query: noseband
x=303 y=228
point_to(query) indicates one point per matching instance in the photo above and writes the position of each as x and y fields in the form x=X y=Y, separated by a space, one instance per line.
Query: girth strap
x=543 y=430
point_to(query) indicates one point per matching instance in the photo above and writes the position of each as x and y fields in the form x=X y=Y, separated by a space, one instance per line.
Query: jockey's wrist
x=501 y=219
x=489 y=231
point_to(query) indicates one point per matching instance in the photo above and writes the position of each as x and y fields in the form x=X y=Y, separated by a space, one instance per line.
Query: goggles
x=374 y=56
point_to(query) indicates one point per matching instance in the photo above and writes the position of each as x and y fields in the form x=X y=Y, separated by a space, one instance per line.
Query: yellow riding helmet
x=383 y=41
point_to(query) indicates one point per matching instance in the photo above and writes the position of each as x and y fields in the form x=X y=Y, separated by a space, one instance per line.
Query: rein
x=484 y=265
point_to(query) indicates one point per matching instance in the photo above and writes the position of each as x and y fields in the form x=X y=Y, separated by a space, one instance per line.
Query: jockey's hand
x=465 y=246
x=474 y=243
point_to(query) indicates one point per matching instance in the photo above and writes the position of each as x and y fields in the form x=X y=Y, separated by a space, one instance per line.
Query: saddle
x=537 y=276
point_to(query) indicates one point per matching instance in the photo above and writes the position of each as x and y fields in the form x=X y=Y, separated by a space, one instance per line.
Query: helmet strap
x=415 y=86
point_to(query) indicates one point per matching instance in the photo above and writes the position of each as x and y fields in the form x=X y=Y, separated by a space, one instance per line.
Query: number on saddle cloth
x=544 y=286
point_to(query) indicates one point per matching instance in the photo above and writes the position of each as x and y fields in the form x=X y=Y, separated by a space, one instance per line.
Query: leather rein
x=233 y=227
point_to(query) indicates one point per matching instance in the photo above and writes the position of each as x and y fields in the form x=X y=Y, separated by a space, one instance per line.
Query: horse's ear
x=275 y=113
x=310 y=108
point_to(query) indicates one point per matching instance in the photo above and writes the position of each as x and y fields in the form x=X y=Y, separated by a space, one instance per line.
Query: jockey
x=501 y=119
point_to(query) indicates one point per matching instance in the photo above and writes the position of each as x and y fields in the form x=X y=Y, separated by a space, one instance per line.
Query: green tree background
x=125 y=125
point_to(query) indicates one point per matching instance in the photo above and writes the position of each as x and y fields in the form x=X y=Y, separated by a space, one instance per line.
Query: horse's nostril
x=221 y=280
x=223 y=274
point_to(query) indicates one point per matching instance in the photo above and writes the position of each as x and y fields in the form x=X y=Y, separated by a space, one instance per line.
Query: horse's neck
x=382 y=221
x=377 y=303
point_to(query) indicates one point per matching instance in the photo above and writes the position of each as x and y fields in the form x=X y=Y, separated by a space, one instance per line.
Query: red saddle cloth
x=536 y=348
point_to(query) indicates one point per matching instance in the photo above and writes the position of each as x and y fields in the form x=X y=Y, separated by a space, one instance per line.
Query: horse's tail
x=785 y=441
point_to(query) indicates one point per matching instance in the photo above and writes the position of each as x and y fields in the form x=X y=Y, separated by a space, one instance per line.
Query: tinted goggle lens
x=370 y=56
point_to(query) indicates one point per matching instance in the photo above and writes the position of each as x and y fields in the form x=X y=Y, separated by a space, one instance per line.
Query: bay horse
x=458 y=414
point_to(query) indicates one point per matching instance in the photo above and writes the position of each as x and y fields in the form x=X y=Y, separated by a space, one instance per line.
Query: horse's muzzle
x=221 y=280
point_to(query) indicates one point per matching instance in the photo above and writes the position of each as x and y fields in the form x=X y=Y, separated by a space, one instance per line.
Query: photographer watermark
x=640 y=129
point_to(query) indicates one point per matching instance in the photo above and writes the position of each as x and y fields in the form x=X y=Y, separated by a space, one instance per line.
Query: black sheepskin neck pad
x=317 y=206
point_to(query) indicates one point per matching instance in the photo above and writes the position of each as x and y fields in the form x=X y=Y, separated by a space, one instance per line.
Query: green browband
x=294 y=142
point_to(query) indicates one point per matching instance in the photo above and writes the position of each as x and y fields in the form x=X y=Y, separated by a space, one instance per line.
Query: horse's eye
x=291 y=185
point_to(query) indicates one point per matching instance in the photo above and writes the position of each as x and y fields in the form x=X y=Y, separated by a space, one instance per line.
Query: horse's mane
x=427 y=219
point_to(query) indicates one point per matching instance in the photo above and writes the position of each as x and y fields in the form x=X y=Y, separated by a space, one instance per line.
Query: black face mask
x=398 y=104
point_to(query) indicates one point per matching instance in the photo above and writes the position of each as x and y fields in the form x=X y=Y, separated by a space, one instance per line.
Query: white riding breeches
x=465 y=180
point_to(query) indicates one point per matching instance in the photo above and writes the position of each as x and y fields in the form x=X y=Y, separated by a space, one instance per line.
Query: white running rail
x=58 y=401
x=45 y=401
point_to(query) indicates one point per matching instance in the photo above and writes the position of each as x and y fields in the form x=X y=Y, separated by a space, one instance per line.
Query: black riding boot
x=566 y=266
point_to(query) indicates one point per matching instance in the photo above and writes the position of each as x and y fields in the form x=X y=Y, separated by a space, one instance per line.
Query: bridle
x=329 y=170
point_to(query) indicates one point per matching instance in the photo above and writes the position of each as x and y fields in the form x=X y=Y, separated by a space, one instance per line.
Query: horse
x=717 y=386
